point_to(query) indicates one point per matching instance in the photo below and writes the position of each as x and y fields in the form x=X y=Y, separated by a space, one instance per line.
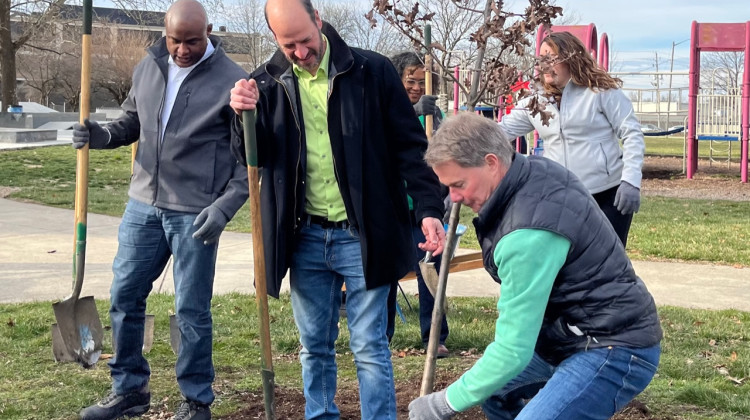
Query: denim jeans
x=147 y=237
x=324 y=260
x=588 y=385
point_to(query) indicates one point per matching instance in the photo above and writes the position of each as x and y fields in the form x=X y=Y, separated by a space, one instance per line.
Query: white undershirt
x=175 y=76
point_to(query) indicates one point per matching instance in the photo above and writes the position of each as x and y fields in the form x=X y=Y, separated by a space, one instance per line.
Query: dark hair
x=404 y=60
x=307 y=4
x=409 y=59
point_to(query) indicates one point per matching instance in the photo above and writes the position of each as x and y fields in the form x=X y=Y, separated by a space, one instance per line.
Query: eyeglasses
x=411 y=83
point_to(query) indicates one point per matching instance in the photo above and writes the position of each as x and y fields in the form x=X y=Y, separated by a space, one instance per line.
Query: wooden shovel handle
x=82 y=156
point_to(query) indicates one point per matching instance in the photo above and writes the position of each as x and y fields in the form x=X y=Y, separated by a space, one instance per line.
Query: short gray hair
x=467 y=138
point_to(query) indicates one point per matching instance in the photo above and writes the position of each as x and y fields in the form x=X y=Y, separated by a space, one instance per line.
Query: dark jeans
x=620 y=222
x=426 y=300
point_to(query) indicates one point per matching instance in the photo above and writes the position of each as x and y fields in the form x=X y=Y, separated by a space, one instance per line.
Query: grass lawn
x=692 y=230
x=675 y=146
x=701 y=376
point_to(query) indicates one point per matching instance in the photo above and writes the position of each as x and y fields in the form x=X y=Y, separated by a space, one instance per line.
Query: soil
x=289 y=403
x=662 y=176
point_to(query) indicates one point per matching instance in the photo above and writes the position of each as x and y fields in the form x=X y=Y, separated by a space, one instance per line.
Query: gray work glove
x=427 y=105
x=627 y=198
x=431 y=407
x=212 y=222
x=92 y=133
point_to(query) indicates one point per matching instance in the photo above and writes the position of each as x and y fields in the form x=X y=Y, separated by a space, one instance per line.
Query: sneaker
x=191 y=410
x=442 y=351
x=115 y=406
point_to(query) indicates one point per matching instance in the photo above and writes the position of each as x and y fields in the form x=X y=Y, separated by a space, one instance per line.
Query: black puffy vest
x=597 y=289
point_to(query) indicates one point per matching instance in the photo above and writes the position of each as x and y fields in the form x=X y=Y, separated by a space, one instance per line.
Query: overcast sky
x=639 y=28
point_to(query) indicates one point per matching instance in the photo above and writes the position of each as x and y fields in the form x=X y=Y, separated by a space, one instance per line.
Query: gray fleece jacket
x=191 y=167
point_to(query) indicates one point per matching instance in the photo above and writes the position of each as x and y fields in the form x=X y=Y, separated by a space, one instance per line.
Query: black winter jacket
x=192 y=166
x=596 y=290
x=377 y=143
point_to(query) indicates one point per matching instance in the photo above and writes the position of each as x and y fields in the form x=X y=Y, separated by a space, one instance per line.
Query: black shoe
x=191 y=410
x=115 y=406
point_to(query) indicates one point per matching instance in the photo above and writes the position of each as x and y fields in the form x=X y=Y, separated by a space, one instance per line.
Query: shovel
x=428 y=377
x=430 y=276
x=79 y=330
x=259 y=263
x=174 y=334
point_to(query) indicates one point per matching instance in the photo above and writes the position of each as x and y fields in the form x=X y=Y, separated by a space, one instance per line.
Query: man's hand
x=427 y=105
x=92 y=133
x=244 y=95
x=627 y=198
x=434 y=234
x=431 y=407
x=212 y=222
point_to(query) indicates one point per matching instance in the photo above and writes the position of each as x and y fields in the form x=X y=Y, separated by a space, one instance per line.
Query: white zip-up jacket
x=584 y=135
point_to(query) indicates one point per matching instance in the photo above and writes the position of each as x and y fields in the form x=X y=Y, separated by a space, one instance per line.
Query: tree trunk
x=7 y=58
x=477 y=72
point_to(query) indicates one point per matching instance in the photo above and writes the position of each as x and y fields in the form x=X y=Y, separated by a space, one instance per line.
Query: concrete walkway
x=36 y=247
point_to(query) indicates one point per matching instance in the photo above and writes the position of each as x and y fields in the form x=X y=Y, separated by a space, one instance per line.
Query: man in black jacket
x=337 y=138
x=186 y=185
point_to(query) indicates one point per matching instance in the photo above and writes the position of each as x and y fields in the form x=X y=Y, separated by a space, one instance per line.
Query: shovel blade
x=430 y=276
x=148 y=335
x=174 y=334
x=80 y=329
x=59 y=350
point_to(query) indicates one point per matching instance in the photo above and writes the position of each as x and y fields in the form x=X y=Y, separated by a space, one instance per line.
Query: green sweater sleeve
x=528 y=261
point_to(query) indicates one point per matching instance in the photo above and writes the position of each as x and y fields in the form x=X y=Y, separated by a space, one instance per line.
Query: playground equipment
x=718 y=115
x=717 y=119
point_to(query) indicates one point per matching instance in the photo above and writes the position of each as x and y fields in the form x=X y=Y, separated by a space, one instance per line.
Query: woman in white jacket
x=590 y=115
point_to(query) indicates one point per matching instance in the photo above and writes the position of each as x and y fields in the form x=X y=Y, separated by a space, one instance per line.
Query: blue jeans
x=324 y=260
x=147 y=237
x=588 y=385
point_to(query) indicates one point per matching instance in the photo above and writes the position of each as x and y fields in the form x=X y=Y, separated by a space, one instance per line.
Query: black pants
x=620 y=222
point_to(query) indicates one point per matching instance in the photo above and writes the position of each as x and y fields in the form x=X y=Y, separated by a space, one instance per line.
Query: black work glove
x=427 y=105
x=92 y=133
x=212 y=222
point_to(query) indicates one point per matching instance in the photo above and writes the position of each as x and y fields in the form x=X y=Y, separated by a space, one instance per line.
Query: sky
x=639 y=30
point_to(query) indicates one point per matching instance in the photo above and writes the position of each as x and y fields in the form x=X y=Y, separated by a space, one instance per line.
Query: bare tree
x=69 y=80
x=116 y=52
x=721 y=71
x=494 y=34
x=41 y=72
x=346 y=17
x=247 y=18
x=29 y=17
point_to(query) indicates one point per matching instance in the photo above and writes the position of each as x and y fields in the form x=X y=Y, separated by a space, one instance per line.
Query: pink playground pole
x=692 y=143
x=456 y=73
x=604 y=52
x=745 y=106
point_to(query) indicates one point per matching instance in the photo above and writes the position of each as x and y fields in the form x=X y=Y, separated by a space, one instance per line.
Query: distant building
x=65 y=33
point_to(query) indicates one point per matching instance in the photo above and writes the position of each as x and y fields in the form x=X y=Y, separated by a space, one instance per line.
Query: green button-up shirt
x=322 y=195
